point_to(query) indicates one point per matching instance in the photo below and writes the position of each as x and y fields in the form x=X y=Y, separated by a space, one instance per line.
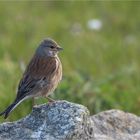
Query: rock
x=116 y=125
x=63 y=120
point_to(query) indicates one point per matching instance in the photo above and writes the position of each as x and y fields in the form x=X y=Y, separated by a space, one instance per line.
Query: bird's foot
x=33 y=103
x=50 y=100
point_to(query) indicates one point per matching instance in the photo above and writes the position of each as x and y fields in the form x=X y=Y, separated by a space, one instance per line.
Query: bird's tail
x=11 y=107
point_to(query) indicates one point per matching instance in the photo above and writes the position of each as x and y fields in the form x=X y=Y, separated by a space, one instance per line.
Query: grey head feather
x=47 y=42
x=44 y=48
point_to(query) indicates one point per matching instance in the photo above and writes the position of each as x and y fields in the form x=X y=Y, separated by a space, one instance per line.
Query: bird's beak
x=59 y=48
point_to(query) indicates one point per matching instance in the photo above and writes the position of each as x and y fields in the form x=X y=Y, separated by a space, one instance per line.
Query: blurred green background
x=101 y=57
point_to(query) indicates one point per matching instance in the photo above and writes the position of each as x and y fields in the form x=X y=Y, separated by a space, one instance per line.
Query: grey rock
x=63 y=120
x=116 y=125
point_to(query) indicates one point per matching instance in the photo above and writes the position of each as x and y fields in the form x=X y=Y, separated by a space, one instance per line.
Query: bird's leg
x=33 y=102
x=50 y=99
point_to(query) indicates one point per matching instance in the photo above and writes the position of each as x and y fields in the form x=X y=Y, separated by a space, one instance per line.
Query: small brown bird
x=41 y=76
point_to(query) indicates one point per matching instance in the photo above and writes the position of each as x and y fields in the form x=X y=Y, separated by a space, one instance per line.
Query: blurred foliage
x=101 y=67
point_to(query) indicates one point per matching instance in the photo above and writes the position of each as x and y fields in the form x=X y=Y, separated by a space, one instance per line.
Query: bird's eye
x=52 y=47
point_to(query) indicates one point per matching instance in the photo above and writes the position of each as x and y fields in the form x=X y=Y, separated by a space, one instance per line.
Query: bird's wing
x=37 y=76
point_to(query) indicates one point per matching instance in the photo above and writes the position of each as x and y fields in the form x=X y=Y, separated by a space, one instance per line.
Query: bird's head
x=48 y=47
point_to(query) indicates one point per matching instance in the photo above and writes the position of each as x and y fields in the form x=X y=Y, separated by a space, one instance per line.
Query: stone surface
x=116 y=125
x=63 y=120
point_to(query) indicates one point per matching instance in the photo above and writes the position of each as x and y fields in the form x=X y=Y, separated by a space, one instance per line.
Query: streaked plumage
x=41 y=76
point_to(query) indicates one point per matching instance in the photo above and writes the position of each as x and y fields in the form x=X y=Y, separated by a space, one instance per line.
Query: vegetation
x=101 y=66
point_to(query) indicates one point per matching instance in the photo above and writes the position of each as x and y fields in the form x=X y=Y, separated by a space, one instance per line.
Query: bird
x=41 y=77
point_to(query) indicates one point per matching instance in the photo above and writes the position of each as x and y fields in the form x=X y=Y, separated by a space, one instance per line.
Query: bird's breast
x=58 y=71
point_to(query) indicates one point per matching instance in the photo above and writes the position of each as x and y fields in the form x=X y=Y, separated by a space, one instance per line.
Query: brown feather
x=41 y=66
x=48 y=68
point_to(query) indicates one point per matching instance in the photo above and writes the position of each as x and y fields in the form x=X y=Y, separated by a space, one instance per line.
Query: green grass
x=101 y=68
